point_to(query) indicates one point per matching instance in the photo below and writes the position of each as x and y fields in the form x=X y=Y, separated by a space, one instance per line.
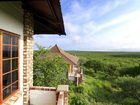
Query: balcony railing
x=49 y=95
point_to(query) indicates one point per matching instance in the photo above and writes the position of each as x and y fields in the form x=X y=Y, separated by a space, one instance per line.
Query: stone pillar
x=27 y=55
x=62 y=94
x=66 y=98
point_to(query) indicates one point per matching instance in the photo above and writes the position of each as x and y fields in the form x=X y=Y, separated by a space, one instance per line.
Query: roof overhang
x=47 y=16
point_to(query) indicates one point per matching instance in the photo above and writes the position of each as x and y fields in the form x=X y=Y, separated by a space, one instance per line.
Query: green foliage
x=83 y=60
x=79 y=99
x=49 y=71
x=111 y=78
x=132 y=71
x=94 y=64
x=130 y=101
x=80 y=89
x=129 y=89
x=101 y=103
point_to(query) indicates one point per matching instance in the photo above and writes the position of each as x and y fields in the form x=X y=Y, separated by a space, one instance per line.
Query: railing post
x=62 y=95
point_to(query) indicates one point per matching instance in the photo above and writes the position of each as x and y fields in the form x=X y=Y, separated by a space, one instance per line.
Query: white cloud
x=109 y=6
x=81 y=21
x=86 y=33
x=117 y=21
x=123 y=36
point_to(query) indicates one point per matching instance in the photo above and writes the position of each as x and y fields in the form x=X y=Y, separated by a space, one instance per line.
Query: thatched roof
x=71 y=58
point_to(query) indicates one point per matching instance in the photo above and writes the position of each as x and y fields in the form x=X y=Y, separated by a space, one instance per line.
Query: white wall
x=11 y=19
x=19 y=101
x=41 y=97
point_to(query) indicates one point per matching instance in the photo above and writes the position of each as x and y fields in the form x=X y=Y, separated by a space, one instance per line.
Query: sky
x=97 y=25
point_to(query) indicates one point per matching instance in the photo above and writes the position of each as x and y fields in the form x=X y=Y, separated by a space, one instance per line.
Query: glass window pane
x=6 y=66
x=14 y=51
x=6 y=92
x=15 y=76
x=6 y=39
x=6 y=80
x=6 y=52
x=14 y=86
x=14 y=40
x=14 y=64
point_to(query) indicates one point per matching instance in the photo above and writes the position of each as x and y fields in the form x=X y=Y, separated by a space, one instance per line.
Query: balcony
x=49 y=95
x=76 y=75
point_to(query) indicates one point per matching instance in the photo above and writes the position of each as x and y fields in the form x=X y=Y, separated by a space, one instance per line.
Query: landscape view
x=104 y=36
x=110 y=78
x=70 y=52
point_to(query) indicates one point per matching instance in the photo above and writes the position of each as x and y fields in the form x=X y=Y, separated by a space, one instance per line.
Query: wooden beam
x=53 y=20
x=46 y=24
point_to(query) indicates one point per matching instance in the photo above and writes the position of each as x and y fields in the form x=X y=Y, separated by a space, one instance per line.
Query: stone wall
x=27 y=55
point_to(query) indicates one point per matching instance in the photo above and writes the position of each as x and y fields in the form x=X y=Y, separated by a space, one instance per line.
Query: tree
x=130 y=90
x=48 y=71
x=79 y=99
x=94 y=64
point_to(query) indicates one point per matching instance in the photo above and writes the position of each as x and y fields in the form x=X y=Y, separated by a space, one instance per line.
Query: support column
x=28 y=55
x=62 y=94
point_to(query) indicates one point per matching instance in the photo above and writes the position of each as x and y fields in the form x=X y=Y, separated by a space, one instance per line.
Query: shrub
x=79 y=99
x=129 y=89
x=48 y=71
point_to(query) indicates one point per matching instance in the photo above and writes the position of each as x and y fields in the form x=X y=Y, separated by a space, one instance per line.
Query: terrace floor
x=49 y=95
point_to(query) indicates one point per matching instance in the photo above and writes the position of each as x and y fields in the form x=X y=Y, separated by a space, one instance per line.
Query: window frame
x=2 y=32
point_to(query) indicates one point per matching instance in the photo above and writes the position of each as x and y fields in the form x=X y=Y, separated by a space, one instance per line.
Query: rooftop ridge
x=71 y=57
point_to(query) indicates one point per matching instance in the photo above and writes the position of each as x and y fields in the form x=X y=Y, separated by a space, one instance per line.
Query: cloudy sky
x=98 y=25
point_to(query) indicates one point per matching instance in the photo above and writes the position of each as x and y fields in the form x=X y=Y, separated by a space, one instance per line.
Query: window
x=9 y=64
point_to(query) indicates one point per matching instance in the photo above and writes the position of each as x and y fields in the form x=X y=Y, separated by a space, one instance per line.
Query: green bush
x=130 y=101
x=131 y=71
x=49 y=71
x=94 y=64
x=79 y=99
x=80 y=89
x=129 y=89
x=102 y=103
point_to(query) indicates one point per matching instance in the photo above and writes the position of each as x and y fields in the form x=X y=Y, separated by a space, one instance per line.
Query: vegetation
x=48 y=71
x=111 y=78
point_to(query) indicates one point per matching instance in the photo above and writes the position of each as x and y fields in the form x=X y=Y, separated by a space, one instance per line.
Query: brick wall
x=62 y=94
x=27 y=55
